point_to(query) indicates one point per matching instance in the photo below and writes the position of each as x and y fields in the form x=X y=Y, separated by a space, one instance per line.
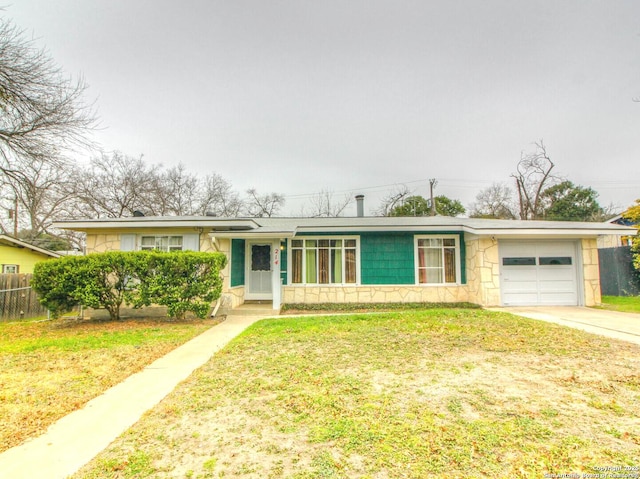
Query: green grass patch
x=417 y=393
x=50 y=368
x=624 y=304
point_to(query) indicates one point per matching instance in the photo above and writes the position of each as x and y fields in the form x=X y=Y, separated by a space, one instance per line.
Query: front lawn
x=50 y=368
x=413 y=394
x=625 y=304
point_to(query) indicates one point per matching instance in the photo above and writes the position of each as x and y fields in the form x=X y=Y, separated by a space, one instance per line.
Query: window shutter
x=191 y=242
x=127 y=242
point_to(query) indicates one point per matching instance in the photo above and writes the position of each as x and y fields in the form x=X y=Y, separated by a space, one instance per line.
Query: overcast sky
x=358 y=96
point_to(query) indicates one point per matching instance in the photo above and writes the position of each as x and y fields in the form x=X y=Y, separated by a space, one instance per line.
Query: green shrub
x=55 y=282
x=182 y=281
x=107 y=280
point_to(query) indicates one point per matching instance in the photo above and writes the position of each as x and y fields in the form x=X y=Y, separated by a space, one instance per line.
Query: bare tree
x=496 y=201
x=41 y=193
x=217 y=197
x=116 y=185
x=42 y=114
x=259 y=206
x=175 y=192
x=325 y=205
x=534 y=175
x=393 y=199
x=42 y=119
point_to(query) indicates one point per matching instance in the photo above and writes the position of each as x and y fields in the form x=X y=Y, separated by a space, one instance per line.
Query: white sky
x=356 y=96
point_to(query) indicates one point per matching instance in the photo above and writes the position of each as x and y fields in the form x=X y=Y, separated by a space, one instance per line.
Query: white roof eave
x=251 y=234
x=228 y=225
x=550 y=232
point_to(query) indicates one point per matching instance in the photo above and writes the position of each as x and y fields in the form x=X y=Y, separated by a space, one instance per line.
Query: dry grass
x=50 y=368
x=438 y=394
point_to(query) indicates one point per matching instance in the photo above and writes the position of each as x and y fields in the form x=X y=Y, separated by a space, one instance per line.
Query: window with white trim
x=161 y=243
x=437 y=260
x=10 y=268
x=324 y=261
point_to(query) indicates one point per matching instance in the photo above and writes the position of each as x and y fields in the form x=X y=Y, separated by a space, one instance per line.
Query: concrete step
x=254 y=309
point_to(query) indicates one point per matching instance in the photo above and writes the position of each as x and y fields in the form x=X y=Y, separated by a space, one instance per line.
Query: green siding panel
x=237 y=262
x=387 y=258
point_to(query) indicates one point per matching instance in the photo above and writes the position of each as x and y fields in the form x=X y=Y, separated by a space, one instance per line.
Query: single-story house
x=17 y=256
x=378 y=259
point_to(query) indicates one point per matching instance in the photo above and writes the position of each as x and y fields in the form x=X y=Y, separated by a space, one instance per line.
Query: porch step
x=255 y=308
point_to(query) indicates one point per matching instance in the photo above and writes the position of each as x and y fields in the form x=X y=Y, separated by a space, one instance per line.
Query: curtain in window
x=336 y=270
x=350 y=265
x=323 y=265
x=436 y=261
x=323 y=261
x=296 y=266
x=450 y=265
x=312 y=276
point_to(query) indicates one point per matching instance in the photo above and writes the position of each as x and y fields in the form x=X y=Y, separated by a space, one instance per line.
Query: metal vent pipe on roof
x=360 y=205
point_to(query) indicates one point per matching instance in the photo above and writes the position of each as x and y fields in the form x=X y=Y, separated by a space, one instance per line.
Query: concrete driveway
x=625 y=326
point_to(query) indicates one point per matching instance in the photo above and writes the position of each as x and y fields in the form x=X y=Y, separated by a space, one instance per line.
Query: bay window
x=437 y=260
x=324 y=261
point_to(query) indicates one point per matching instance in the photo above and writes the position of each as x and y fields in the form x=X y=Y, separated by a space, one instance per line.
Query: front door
x=259 y=271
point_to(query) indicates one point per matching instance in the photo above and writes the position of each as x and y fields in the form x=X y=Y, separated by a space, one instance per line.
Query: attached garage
x=539 y=272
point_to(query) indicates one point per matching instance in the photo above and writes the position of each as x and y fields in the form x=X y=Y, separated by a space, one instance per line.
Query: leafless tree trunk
x=324 y=205
x=42 y=114
x=42 y=191
x=259 y=206
x=393 y=199
x=532 y=178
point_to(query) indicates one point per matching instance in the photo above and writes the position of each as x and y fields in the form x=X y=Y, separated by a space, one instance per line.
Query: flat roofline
x=155 y=222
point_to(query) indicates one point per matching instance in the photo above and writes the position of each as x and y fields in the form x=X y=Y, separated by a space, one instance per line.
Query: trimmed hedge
x=182 y=281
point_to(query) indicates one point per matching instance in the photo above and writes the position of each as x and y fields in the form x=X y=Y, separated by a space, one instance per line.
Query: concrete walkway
x=78 y=437
x=625 y=326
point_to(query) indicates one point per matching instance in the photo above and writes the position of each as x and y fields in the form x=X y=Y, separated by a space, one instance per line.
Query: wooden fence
x=17 y=299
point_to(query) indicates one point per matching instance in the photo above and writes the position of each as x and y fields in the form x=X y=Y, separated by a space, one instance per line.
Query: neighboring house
x=16 y=256
x=613 y=241
x=618 y=276
x=378 y=259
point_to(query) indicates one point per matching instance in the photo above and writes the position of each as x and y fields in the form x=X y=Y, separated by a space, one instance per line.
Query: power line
x=463 y=183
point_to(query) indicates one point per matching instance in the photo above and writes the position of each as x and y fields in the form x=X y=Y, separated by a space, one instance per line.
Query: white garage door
x=538 y=273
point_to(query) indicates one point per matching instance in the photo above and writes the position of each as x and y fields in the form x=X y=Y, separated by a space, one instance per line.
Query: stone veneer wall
x=374 y=294
x=609 y=241
x=231 y=297
x=483 y=284
x=591 y=269
x=101 y=242
x=483 y=271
